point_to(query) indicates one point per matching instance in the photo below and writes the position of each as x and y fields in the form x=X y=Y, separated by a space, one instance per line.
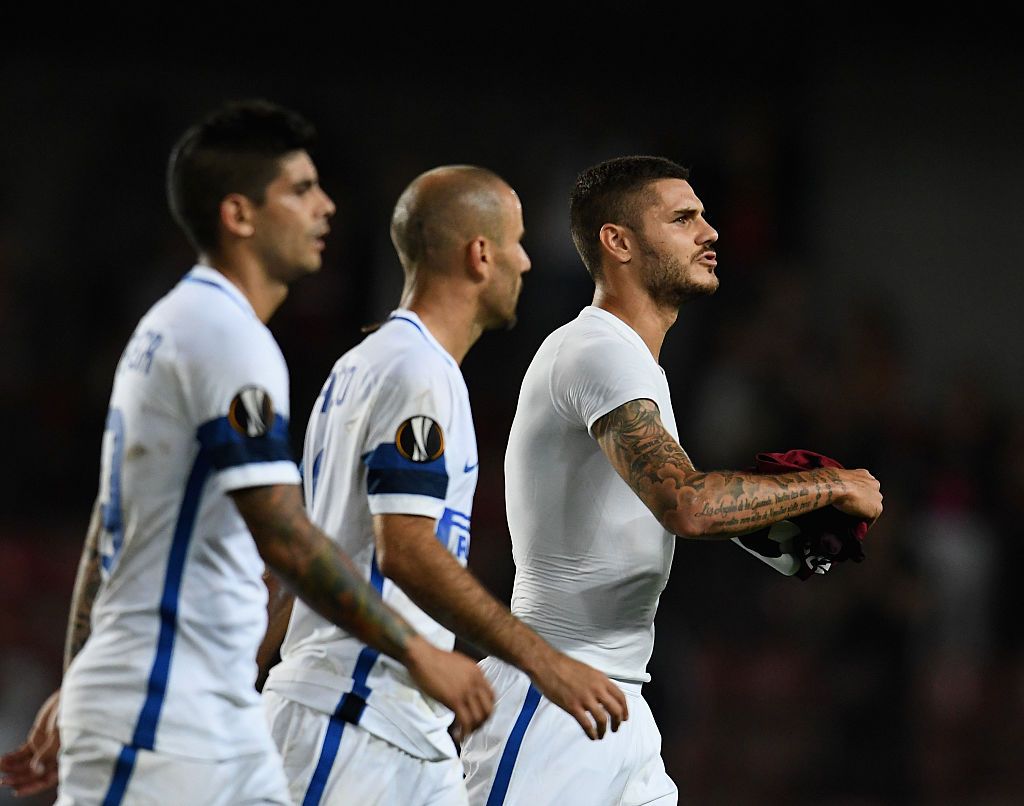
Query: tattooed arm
x=87 y=585
x=319 y=573
x=719 y=504
x=307 y=561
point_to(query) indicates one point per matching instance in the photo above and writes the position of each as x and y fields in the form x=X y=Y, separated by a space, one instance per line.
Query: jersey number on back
x=329 y=397
x=111 y=518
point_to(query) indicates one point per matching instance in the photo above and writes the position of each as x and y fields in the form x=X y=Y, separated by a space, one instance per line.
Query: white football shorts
x=335 y=763
x=532 y=753
x=95 y=769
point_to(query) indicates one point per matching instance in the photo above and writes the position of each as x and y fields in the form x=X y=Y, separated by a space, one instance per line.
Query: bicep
x=401 y=540
x=276 y=518
x=645 y=454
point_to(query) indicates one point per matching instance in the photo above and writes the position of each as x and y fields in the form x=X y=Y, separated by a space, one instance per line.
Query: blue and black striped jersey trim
x=390 y=472
x=225 y=447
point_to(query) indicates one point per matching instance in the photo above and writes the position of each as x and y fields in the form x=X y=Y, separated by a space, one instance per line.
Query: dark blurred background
x=865 y=178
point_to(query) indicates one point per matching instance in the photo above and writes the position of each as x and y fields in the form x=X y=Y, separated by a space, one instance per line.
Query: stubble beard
x=668 y=282
x=288 y=269
x=504 y=319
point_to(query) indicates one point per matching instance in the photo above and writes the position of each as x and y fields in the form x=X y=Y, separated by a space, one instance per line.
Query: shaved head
x=442 y=210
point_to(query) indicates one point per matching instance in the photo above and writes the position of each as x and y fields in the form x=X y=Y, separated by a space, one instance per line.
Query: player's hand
x=580 y=690
x=454 y=680
x=863 y=498
x=32 y=767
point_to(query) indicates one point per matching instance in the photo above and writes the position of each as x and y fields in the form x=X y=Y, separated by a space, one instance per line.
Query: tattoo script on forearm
x=740 y=502
x=657 y=468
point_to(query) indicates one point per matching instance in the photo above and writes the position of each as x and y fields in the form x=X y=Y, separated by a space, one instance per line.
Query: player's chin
x=705 y=283
x=510 y=315
x=501 y=317
x=503 y=321
x=312 y=264
x=299 y=269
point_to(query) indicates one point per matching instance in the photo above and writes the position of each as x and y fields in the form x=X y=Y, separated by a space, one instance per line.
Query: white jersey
x=199 y=408
x=391 y=433
x=591 y=559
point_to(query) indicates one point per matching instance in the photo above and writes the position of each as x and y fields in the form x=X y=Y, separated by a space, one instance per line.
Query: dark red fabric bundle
x=826 y=535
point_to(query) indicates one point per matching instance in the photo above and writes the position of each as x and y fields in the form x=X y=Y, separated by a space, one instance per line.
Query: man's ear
x=479 y=258
x=236 y=215
x=618 y=242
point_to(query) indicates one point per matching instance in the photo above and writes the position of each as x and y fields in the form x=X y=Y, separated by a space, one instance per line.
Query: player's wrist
x=416 y=653
x=538 y=660
x=842 y=489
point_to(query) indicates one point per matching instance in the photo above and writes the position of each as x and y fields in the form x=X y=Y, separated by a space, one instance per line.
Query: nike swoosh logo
x=469 y=466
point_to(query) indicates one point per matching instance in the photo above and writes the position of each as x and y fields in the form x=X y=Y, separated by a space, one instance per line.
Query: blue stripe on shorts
x=508 y=757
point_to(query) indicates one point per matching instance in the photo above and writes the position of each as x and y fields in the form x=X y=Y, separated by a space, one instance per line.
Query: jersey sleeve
x=405 y=452
x=593 y=376
x=238 y=387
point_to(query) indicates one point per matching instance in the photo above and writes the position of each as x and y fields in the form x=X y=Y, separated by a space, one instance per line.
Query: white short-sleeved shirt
x=591 y=559
x=391 y=433
x=199 y=408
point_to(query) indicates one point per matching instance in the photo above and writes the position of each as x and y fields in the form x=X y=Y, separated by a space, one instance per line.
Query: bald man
x=390 y=464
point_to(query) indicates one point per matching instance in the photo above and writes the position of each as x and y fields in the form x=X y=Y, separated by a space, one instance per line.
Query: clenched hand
x=32 y=767
x=454 y=680
x=582 y=691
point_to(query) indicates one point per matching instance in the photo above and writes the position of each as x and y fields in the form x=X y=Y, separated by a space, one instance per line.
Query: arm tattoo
x=637 y=438
x=319 y=573
x=720 y=503
x=748 y=501
x=87 y=585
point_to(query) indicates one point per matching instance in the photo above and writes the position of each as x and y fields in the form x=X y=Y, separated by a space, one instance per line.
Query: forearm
x=87 y=585
x=722 y=504
x=311 y=566
x=414 y=560
x=690 y=503
x=279 y=611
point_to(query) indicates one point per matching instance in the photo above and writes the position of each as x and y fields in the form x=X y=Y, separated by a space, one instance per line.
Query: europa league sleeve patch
x=251 y=412
x=420 y=439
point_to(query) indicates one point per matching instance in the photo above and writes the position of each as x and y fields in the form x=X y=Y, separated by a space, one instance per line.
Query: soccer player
x=197 y=492
x=390 y=465
x=598 y=488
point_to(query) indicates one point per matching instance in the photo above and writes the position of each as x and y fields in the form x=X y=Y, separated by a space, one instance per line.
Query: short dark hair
x=235 y=149
x=609 y=192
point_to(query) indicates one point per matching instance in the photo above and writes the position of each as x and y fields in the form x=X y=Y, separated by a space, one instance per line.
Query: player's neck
x=650 y=320
x=448 y=318
x=264 y=293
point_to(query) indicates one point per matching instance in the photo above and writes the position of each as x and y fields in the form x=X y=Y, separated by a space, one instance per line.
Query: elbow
x=683 y=523
x=390 y=564
x=385 y=562
x=276 y=559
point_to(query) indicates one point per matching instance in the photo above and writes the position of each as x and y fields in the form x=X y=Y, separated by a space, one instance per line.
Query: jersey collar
x=410 y=317
x=210 y=276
